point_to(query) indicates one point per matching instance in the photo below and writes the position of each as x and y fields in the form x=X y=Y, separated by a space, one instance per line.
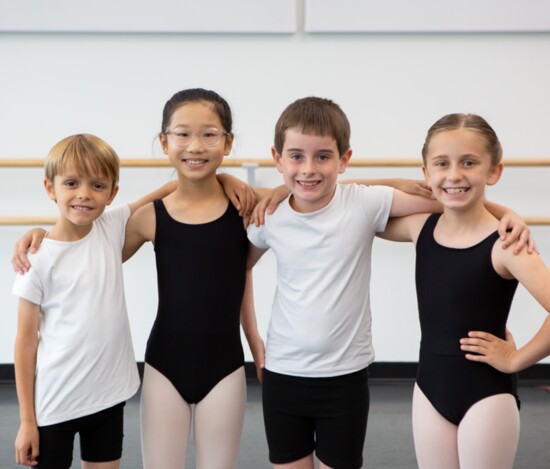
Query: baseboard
x=396 y=371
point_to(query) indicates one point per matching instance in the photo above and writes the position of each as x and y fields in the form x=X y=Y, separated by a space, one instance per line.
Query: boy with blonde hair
x=74 y=360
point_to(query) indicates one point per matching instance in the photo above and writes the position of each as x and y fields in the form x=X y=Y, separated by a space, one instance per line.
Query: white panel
x=427 y=15
x=165 y=16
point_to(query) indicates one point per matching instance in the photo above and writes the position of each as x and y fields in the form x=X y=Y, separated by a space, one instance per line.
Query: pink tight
x=166 y=421
x=486 y=438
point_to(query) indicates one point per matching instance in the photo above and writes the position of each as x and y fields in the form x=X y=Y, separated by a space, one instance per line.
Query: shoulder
x=116 y=214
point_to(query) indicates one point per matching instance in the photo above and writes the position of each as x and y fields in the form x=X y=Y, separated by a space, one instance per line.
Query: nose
x=195 y=144
x=308 y=166
x=454 y=173
x=83 y=192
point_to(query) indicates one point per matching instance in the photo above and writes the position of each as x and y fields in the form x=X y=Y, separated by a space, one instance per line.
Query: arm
x=241 y=195
x=139 y=229
x=534 y=275
x=404 y=228
x=519 y=229
x=250 y=327
x=269 y=199
x=26 y=346
x=409 y=186
x=406 y=204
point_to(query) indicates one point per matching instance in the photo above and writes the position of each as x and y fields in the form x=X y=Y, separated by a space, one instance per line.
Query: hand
x=268 y=203
x=414 y=187
x=491 y=350
x=258 y=353
x=30 y=241
x=240 y=194
x=26 y=445
x=520 y=232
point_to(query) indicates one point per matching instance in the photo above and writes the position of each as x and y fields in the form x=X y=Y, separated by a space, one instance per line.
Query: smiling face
x=458 y=166
x=310 y=165
x=81 y=198
x=195 y=160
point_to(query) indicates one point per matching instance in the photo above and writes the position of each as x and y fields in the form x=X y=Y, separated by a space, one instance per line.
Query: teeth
x=308 y=183
x=82 y=208
x=459 y=190
x=194 y=161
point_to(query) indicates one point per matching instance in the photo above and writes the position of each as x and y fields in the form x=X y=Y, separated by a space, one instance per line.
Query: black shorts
x=100 y=435
x=325 y=415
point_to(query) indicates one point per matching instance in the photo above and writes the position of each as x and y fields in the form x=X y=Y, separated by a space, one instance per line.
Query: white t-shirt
x=321 y=320
x=85 y=358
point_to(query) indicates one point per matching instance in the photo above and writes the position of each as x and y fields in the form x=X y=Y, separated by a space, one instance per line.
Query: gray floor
x=388 y=444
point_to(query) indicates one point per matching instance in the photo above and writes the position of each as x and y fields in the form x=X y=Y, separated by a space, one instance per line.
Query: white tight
x=486 y=438
x=166 y=422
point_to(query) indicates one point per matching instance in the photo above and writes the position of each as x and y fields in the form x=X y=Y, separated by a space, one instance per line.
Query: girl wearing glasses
x=194 y=358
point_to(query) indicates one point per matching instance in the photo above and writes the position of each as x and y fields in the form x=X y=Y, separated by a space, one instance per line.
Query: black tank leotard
x=195 y=341
x=459 y=291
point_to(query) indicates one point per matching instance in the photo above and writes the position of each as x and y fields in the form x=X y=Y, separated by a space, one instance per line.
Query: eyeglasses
x=182 y=137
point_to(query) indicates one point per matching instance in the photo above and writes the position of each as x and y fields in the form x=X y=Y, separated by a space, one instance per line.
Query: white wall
x=392 y=86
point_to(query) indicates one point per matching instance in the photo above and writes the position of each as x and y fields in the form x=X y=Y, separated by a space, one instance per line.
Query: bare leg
x=219 y=421
x=489 y=433
x=165 y=422
x=435 y=438
x=304 y=463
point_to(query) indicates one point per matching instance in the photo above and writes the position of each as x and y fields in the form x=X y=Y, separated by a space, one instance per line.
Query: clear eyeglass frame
x=209 y=137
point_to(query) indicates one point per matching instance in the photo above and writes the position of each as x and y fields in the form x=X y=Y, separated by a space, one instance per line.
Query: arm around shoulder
x=139 y=229
x=406 y=204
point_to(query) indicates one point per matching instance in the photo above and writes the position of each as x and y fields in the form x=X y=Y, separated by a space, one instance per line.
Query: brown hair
x=89 y=155
x=471 y=122
x=314 y=116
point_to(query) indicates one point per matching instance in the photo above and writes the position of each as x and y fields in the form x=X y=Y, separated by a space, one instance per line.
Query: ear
x=50 y=189
x=228 y=144
x=344 y=161
x=114 y=192
x=277 y=159
x=495 y=174
x=163 y=143
x=426 y=175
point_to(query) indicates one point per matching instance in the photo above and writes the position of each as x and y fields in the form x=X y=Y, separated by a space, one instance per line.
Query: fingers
x=20 y=263
x=424 y=191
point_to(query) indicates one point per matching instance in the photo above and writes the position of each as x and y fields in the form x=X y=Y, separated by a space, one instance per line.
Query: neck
x=66 y=231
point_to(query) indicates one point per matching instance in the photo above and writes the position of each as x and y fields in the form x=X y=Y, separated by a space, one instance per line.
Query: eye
x=323 y=157
x=99 y=186
x=469 y=163
x=440 y=164
x=70 y=183
x=295 y=156
x=182 y=133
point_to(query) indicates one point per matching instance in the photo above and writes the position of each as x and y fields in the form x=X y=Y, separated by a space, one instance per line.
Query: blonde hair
x=88 y=154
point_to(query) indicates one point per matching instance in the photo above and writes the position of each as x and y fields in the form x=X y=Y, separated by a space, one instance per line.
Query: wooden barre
x=268 y=162
x=21 y=221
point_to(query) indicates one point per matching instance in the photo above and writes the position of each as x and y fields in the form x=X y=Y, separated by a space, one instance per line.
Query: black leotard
x=459 y=291
x=201 y=269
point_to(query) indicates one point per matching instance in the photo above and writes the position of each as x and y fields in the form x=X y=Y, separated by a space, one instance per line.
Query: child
x=194 y=355
x=315 y=389
x=74 y=360
x=465 y=413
